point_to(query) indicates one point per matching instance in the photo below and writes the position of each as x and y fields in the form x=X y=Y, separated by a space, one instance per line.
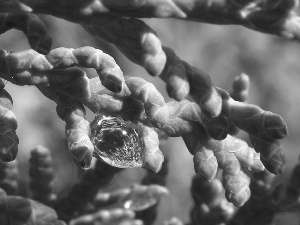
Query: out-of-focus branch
x=19 y=210
x=41 y=183
x=275 y=17
x=85 y=191
x=13 y=6
x=9 y=174
x=210 y=204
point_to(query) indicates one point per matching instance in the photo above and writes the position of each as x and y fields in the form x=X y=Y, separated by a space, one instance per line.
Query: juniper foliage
x=233 y=177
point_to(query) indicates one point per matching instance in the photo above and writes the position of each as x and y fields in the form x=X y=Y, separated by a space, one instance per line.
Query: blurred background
x=222 y=51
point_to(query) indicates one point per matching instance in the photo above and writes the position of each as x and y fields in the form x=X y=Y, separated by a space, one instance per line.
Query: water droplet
x=117 y=142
